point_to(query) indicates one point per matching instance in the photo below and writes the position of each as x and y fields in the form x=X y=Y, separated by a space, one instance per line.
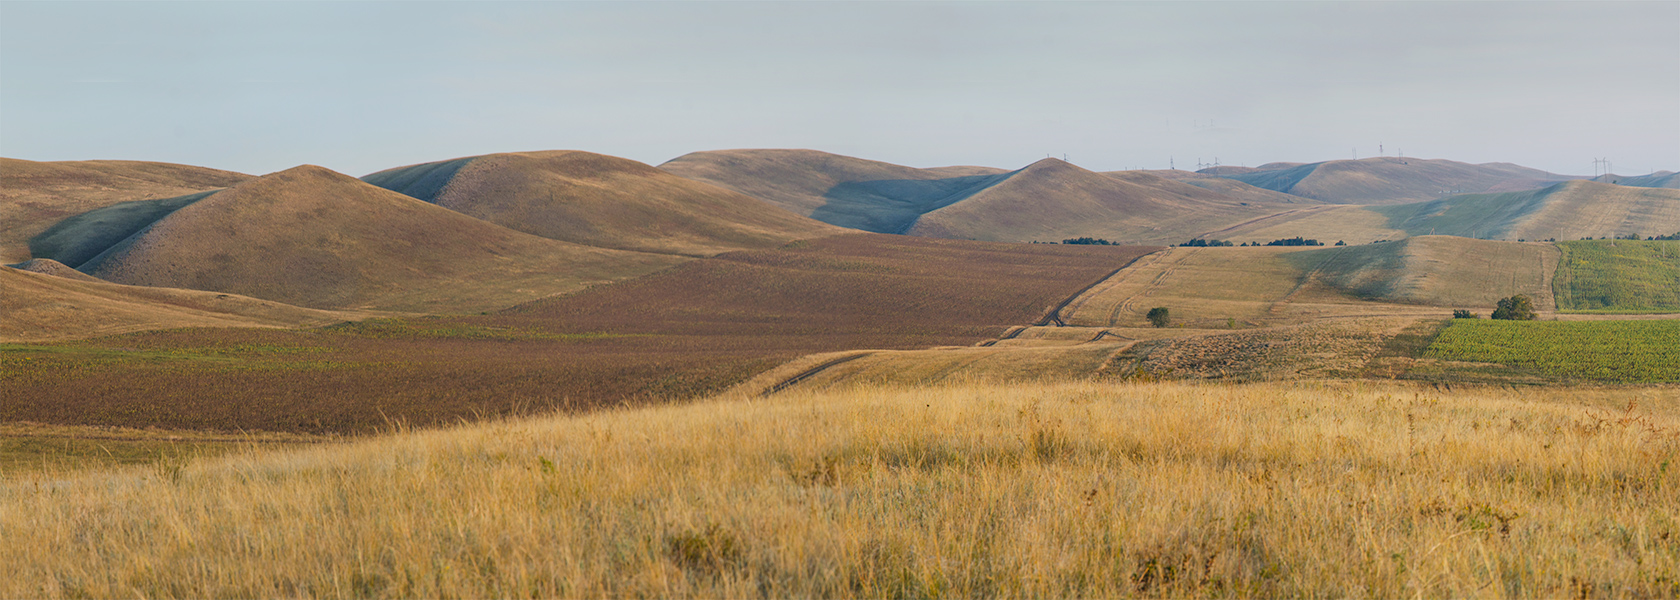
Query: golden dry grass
x=1068 y=490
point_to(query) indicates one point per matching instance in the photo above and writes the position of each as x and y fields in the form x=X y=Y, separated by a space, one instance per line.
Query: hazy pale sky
x=362 y=86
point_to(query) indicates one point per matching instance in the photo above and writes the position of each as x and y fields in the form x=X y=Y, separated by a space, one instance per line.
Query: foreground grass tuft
x=1065 y=490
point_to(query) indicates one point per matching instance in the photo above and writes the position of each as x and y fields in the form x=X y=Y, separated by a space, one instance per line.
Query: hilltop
x=55 y=302
x=312 y=237
x=35 y=195
x=600 y=200
x=1388 y=180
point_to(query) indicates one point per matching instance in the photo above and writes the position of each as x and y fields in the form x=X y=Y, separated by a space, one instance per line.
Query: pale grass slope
x=600 y=200
x=1390 y=180
x=312 y=237
x=35 y=195
x=1063 y=490
x=37 y=307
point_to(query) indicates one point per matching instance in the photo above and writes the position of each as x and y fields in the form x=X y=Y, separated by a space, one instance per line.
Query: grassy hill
x=311 y=237
x=695 y=329
x=42 y=306
x=1052 y=200
x=600 y=200
x=841 y=190
x=1048 y=201
x=1387 y=180
x=1437 y=271
x=1233 y=189
x=1564 y=211
x=1660 y=179
x=1619 y=276
x=1051 y=490
x=35 y=195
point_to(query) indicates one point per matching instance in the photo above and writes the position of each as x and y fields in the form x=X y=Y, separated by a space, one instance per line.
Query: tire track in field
x=1055 y=314
x=808 y=373
x=1130 y=301
x=1138 y=264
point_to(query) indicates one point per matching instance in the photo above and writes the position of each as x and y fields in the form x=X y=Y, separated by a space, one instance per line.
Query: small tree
x=1463 y=314
x=1158 y=316
x=1515 y=308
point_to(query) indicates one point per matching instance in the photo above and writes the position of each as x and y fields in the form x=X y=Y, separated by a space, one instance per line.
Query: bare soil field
x=699 y=328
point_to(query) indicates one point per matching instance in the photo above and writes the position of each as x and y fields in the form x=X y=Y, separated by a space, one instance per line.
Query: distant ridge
x=35 y=195
x=600 y=200
x=1390 y=180
x=312 y=237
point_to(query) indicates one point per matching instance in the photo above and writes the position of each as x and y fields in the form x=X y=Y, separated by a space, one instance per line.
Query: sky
x=359 y=87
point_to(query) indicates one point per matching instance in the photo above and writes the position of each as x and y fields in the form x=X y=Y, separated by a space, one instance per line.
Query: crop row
x=1609 y=351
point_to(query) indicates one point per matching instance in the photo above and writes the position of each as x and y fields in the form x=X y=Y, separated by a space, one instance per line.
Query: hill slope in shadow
x=600 y=200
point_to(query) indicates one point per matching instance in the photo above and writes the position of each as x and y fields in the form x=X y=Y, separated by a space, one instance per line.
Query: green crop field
x=1618 y=276
x=1610 y=351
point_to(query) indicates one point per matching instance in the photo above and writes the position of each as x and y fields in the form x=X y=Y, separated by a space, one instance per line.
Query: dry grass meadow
x=1068 y=490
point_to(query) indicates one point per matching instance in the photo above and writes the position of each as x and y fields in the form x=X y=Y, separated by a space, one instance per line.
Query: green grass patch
x=1618 y=276
x=1608 y=351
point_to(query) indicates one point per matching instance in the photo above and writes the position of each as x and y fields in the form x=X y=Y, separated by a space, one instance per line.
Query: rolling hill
x=1048 y=200
x=600 y=200
x=312 y=237
x=1436 y=270
x=35 y=195
x=1564 y=211
x=1235 y=190
x=57 y=303
x=1659 y=179
x=1052 y=200
x=1389 y=180
x=840 y=190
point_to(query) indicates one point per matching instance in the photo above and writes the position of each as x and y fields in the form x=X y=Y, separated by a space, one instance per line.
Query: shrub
x=1464 y=314
x=1158 y=316
x=1515 y=308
